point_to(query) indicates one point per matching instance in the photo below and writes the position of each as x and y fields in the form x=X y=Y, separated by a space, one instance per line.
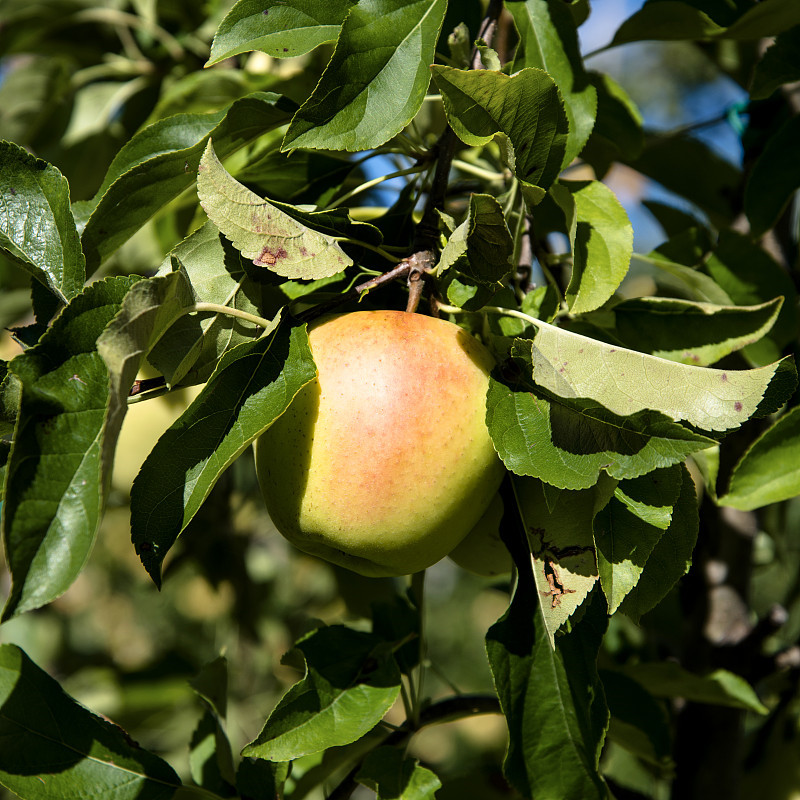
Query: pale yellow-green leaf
x=263 y=233
x=625 y=381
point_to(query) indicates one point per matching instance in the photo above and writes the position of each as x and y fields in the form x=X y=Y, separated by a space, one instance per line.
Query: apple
x=482 y=550
x=384 y=463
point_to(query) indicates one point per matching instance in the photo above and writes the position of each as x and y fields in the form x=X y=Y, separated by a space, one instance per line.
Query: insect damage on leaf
x=557 y=588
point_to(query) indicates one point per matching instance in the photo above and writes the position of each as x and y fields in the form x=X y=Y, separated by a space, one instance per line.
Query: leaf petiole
x=231 y=312
x=374 y=182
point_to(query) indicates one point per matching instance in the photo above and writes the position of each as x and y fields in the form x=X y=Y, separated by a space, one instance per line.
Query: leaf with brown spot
x=261 y=231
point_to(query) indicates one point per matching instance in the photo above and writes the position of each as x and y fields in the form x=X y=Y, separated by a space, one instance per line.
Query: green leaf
x=216 y=273
x=689 y=332
x=161 y=161
x=210 y=757
x=720 y=687
x=673 y=220
x=676 y=161
x=602 y=246
x=251 y=387
x=392 y=776
x=625 y=382
x=769 y=472
x=749 y=275
x=774 y=178
x=5 y=452
x=525 y=108
x=481 y=246
x=260 y=231
x=780 y=64
x=764 y=19
x=47 y=733
x=627 y=530
x=684 y=280
x=302 y=176
x=10 y=391
x=257 y=779
x=674 y=19
x=277 y=27
x=145 y=314
x=548 y=40
x=671 y=558
x=376 y=80
x=74 y=389
x=638 y=721
x=59 y=460
x=36 y=223
x=567 y=443
x=351 y=681
x=618 y=129
x=552 y=698
x=664 y=20
x=211 y=685
x=559 y=535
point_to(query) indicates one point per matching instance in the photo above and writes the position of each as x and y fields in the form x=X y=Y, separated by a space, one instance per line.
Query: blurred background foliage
x=77 y=79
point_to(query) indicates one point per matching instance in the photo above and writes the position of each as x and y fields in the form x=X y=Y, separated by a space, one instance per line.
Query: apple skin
x=482 y=550
x=384 y=463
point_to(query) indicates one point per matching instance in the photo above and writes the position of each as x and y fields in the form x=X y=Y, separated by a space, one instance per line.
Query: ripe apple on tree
x=384 y=463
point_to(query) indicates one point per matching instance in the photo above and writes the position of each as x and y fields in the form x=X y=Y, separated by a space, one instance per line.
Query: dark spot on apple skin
x=303 y=251
x=265 y=12
x=725 y=378
x=269 y=258
x=737 y=405
x=285 y=49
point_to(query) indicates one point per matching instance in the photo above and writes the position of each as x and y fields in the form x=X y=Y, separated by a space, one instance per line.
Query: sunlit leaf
x=393 y=776
x=671 y=557
x=215 y=273
x=160 y=162
x=250 y=388
x=721 y=687
x=628 y=529
x=549 y=41
x=36 y=223
x=602 y=245
x=263 y=233
x=54 y=748
x=568 y=443
x=689 y=332
x=376 y=79
x=559 y=535
x=769 y=472
x=351 y=681
x=749 y=275
x=552 y=698
x=525 y=108
x=74 y=387
x=277 y=27
x=625 y=382
x=57 y=470
x=481 y=246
